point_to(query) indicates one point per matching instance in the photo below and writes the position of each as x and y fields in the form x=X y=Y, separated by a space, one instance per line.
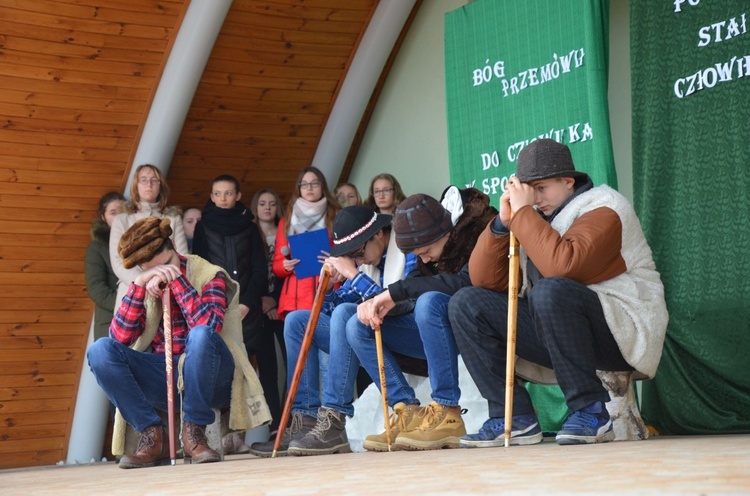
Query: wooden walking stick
x=383 y=391
x=325 y=276
x=510 y=357
x=167 y=306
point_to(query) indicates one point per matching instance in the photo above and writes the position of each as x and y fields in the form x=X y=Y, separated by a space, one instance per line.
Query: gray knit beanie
x=420 y=220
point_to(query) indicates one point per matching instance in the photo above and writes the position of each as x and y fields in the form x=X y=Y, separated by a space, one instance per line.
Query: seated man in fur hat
x=213 y=368
x=365 y=258
x=413 y=316
x=591 y=298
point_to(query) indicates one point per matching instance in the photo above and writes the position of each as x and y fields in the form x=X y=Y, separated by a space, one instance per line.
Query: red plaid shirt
x=189 y=309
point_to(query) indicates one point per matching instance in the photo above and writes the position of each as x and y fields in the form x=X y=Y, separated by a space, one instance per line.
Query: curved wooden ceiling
x=76 y=79
x=266 y=93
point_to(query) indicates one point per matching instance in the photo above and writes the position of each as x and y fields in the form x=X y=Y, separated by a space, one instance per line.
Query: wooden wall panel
x=266 y=94
x=76 y=77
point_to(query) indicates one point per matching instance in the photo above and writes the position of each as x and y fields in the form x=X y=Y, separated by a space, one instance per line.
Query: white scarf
x=395 y=262
x=308 y=216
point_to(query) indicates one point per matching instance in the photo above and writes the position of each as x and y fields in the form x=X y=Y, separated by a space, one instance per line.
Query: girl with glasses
x=148 y=198
x=385 y=194
x=311 y=207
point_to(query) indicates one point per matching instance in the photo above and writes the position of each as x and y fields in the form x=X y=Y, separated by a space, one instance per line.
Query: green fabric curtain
x=691 y=126
x=517 y=70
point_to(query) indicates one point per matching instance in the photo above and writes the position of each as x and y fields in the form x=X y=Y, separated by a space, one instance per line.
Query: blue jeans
x=136 y=382
x=330 y=337
x=425 y=333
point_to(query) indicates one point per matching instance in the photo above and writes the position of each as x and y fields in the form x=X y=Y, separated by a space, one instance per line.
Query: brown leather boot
x=153 y=449
x=196 y=445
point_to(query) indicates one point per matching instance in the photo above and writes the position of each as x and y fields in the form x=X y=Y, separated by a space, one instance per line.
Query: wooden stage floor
x=696 y=465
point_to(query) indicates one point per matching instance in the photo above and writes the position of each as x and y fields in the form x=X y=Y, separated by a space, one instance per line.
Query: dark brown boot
x=196 y=445
x=153 y=449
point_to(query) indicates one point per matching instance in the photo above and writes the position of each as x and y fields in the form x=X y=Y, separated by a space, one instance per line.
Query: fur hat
x=354 y=226
x=420 y=221
x=142 y=240
x=545 y=159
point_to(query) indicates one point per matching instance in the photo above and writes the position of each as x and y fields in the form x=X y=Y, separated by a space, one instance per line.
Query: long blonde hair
x=135 y=197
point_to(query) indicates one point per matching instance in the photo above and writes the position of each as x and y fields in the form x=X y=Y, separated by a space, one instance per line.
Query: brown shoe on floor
x=234 y=443
x=153 y=449
x=196 y=445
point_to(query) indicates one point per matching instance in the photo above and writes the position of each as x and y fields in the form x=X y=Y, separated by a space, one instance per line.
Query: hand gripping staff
x=166 y=303
x=325 y=276
x=510 y=357
x=383 y=392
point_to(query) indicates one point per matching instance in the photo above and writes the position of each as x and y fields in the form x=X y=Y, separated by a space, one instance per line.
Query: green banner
x=518 y=70
x=691 y=125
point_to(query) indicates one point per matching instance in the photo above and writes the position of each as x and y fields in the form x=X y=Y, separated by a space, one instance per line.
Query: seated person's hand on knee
x=371 y=312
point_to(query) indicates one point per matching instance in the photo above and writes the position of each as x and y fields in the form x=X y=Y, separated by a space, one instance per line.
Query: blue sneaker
x=589 y=425
x=524 y=430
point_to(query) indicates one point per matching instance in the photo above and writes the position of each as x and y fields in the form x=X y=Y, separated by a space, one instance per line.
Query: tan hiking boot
x=442 y=427
x=403 y=419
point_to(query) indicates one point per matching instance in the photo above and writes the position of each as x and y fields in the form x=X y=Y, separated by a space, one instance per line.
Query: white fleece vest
x=633 y=302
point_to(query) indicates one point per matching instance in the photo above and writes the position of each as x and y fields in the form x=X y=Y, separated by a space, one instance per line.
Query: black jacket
x=451 y=272
x=230 y=239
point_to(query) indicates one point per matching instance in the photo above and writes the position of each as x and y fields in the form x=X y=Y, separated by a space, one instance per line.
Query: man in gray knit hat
x=413 y=317
x=591 y=298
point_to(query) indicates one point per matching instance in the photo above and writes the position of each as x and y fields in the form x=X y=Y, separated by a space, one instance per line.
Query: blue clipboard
x=307 y=247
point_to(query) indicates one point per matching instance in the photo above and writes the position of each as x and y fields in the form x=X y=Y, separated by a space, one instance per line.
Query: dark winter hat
x=354 y=226
x=545 y=159
x=142 y=240
x=420 y=221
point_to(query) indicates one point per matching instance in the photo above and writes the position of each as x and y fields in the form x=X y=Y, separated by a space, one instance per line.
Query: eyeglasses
x=360 y=253
x=310 y=185
x=144 y=181
x=382 y=192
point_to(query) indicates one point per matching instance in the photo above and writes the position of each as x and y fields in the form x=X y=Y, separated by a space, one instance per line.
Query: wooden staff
x=325 y=276
x=383 y=391
x=166 y=303
x=510 y=357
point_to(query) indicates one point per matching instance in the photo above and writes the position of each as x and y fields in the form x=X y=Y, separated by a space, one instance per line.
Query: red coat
x=296 y=294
